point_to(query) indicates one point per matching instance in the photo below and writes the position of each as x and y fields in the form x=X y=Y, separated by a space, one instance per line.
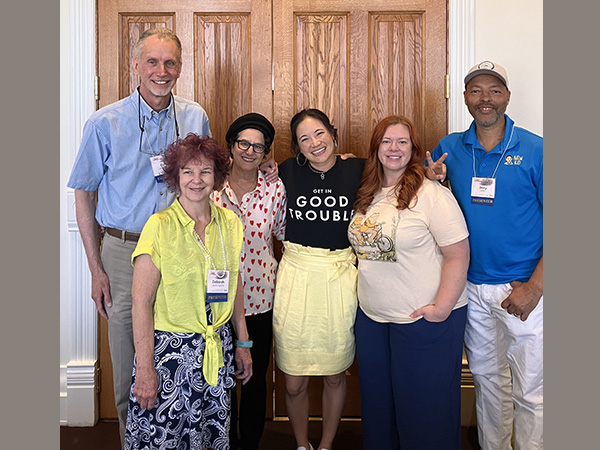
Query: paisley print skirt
x=189 y=413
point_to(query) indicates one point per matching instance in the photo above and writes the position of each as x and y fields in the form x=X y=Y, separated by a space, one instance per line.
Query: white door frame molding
x=78 y=318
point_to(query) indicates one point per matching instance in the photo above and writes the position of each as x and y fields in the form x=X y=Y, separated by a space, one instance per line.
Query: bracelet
x=243 y=344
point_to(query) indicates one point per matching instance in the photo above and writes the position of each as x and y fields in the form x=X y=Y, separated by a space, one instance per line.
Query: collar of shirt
x=147 y=113
x=260 y=190
x=185 y=220
x=471 y=137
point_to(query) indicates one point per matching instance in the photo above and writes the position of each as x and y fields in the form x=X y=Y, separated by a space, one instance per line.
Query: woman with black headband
x=260 y=205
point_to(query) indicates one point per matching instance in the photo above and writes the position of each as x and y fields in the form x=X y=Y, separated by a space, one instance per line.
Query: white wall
x=509 y=32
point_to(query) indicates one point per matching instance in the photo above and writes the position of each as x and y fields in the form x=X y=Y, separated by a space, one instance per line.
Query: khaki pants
x=116 y=258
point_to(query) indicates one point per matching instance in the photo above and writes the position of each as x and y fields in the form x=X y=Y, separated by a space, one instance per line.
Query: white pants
x=506 y=358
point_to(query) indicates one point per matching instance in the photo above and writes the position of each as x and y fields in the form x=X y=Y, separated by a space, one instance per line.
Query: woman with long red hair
x=410 y=239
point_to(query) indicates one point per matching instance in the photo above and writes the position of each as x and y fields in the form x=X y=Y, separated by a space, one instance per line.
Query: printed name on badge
x=217 y=286
x=483 y=191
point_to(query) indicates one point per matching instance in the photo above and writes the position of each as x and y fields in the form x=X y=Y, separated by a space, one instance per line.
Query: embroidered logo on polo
x=513 y=160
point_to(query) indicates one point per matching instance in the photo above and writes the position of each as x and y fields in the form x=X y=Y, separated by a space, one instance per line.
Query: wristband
x=243 y=344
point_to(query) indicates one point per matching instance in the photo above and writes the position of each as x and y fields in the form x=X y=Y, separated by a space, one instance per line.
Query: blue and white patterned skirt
x=189 y=413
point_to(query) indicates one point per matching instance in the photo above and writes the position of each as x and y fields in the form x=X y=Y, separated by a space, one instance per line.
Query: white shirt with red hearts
x=262 y=212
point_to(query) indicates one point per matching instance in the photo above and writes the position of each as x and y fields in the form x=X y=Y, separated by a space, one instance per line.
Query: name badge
x=157 y=167
x=217 y=286
x=483 y=191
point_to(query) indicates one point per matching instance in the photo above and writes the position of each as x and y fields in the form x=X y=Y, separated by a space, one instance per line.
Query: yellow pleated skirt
x=314 y=310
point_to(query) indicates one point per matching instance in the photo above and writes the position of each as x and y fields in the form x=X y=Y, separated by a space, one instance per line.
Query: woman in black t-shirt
x=315 y=298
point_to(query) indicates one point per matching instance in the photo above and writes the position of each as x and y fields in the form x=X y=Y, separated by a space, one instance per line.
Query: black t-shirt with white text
x=319 y=210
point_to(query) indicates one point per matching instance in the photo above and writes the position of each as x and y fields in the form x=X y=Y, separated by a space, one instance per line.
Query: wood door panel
x=120 y=22
x=321 y=61
x=223 y=68
x=395 y=67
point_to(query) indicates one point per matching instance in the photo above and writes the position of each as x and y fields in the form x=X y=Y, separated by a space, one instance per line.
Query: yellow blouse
x=168 y=237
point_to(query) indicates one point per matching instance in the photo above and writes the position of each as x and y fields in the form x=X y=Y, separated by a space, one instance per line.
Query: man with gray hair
x=120 y=158
x=495 y=170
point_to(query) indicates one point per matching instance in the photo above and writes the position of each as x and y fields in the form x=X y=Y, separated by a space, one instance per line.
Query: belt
x=122 y=234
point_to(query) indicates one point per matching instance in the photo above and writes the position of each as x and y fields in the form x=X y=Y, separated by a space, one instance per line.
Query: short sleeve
x=447 y=223
x=88 y=169
x=149 y=242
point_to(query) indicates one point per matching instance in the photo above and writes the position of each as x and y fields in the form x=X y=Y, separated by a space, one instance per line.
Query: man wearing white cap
x=495 y=170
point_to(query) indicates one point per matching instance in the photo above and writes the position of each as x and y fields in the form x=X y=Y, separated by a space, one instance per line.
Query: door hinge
x=97 y=88
x=447 y=86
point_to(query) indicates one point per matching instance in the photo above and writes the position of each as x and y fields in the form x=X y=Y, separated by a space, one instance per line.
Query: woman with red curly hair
x=410 y=239
x=186 y=297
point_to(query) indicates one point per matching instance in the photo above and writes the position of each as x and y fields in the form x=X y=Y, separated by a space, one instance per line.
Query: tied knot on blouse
x=213 y=356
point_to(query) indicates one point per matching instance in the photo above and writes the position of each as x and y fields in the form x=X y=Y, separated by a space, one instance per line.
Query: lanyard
x=205 y=251
x=501 y=156
x=141 y=122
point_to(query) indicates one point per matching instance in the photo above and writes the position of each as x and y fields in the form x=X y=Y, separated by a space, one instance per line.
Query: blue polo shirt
x=506 y=238
x=110 y=161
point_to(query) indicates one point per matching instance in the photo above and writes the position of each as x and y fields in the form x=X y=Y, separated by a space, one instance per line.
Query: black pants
x=250 y=416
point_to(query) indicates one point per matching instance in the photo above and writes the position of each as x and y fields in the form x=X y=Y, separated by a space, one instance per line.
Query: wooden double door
x=358 y=61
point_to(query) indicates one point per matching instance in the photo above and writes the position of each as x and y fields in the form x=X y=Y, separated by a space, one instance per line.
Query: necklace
x=244 y=189
x=317 y=171
x=205 y=251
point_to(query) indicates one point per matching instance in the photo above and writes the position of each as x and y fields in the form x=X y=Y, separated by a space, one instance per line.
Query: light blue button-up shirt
x=110 y=161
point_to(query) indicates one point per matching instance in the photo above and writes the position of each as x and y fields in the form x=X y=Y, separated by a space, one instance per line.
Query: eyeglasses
x=245 y=145
x=141 y=121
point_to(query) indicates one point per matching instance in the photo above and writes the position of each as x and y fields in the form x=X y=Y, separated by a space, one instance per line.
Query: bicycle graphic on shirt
x=370 y=241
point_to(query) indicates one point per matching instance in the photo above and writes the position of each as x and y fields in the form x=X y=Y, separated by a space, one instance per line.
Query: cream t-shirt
x=399 y=256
